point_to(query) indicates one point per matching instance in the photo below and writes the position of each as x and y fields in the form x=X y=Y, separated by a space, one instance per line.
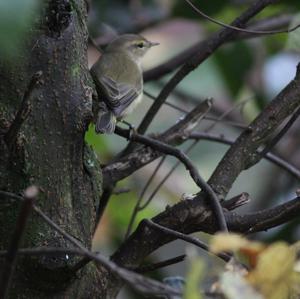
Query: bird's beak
x=152 y=44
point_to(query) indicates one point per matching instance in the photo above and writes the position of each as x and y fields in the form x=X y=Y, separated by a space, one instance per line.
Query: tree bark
x=49 y=152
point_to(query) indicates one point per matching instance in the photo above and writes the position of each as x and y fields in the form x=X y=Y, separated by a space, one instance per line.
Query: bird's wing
x=119 y=95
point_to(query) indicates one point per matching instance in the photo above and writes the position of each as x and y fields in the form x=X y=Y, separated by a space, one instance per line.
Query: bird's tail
x=106 y=122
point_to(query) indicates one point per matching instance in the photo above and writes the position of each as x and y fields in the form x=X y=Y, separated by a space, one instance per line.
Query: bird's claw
x=132 y=129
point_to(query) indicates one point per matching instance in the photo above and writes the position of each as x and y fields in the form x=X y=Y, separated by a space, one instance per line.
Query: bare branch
x=200 y=182
x=242 y=154
x=137 y=206
x=282 y=132
x=257 y=32
x=159 y=265
x=184 y=237
x=137 y=281
x=122 y=167
x=292 y=170
x=169 y=66
x=11 y=254
x=214 y=43
x=190 y=216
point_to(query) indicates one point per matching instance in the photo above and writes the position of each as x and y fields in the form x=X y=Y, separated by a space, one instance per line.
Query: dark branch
x=257 y=32
x=172 y=64
x=194 y=61
x=292 y=170
x=191 y=216
x=181 y=236
x=242 y=154
x=159 y=265
x=137 y=281
x=11 y=254
x=278 y=136
x=137 y=206
x=122 y=167
x=200 y=182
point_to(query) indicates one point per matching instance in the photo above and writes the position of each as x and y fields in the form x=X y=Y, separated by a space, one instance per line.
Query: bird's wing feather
x=119 y=95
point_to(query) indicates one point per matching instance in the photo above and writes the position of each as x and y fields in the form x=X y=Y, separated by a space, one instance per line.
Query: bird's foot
x=132 y=129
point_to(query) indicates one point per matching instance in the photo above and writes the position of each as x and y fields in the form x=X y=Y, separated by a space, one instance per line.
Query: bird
x=118 y=78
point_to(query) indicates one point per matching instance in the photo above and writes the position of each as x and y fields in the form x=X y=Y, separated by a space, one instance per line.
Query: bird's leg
x=132 y=129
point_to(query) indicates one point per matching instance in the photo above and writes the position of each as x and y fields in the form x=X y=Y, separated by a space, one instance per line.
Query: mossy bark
x=50 y=152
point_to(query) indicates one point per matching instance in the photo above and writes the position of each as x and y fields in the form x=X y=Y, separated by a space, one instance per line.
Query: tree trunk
x=49 y=152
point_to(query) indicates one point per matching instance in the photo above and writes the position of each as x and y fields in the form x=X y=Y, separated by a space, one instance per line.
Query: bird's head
x=134 y=45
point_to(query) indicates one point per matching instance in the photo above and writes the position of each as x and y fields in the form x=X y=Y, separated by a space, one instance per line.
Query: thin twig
x=207 y=117
x=147 y=202
x=137 y=281
x=269 y=156
x=12 y=133
x=200 y=182
x=159 y=265
x=11 y=255
x=183 y=126
x=181 y=236
x=173 y=63
x=263 y=32
x=136 y=208
x=282 y=132
x=189 y=149
x=194 y=61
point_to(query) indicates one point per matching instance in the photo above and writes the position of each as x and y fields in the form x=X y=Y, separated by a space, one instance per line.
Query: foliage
x=272 y=270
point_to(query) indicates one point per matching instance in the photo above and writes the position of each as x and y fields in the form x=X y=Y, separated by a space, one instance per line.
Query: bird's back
x=128 y=70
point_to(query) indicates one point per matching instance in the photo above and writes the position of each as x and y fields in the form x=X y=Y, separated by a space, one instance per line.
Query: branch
x=292 y=170
x=242 y=154
x=200 y=182
x=11 y=136
x=277 y=138
x=265 y=219
x=225 y=257
x=191 y=216
x=129 y=164
x=257 y=32
x=122 y=167
x=214 y=43
x=137 y=208
x=173 y=63
x=159 y=265
x=11 y=254
x=137 y=281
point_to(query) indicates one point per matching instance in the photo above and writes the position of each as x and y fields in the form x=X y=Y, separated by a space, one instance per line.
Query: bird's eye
x=140 y=45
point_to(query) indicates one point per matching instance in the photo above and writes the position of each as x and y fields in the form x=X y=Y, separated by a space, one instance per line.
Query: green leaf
x=193 y=278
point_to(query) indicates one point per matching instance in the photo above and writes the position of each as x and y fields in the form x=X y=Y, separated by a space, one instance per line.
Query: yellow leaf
x=273 y=273
x=236 y=243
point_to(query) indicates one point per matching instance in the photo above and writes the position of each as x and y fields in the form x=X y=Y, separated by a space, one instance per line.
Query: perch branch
x=200 y=182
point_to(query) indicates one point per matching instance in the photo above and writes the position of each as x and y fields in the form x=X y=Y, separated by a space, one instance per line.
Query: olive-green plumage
x=119 y=80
